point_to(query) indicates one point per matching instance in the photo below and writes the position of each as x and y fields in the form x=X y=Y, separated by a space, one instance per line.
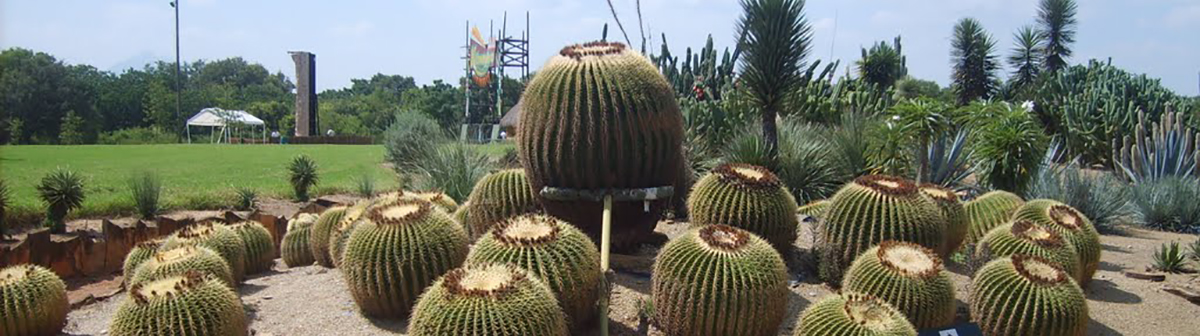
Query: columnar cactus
x=218 y=237
x=190 y=304
x=260 y=247
x=1027 y=295
x=396 y=251
x=749 y=198
x=910 y=278
x=33 y=301
x=989 y=211
x=870 y=210
x=559 y=254
x=719 y=280
x=497 y=197
x=1026 y=237
x=318 y=236
x=1072 y=225
x=952 y=210
x=600 y=116
x=183 y=259
x=487 y=300
x=853 y=314
x=138 y=254
x=294 y=247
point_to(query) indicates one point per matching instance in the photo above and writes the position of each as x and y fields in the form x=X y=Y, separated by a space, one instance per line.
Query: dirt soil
x=314 y=301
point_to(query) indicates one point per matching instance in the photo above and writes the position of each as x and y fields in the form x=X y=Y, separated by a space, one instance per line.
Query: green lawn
x=194 y=176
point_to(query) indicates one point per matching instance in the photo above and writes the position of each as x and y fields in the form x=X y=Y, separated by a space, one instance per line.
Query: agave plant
x=146 y=188
x=303 y=172
x=62 y=190
x=1170 y=149
x=1169 y=258
x=944 y=160
x=1168 y=204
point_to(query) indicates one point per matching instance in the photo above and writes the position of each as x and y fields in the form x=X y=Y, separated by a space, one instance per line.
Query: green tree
x=38 y=90
x=974 y=60
x=883 y=64
x=71 y=131
x=776 y=38
x=1056 y=19
x=1026 y=58
x=911 y=88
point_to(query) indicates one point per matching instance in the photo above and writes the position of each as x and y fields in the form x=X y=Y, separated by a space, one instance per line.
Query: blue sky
x=422 y=38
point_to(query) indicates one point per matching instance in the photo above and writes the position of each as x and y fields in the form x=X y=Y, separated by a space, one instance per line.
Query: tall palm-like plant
x=1057 y=21
x=776 y=40
x=974 y=60
x=883 y=64
x=62 y=190
x=302 y=176
x=1026 y=58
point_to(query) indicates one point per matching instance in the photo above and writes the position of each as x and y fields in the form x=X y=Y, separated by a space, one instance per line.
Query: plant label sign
x=965 y=329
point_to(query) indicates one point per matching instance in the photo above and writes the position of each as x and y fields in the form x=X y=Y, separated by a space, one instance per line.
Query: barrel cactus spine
x=908 y=276
x=341 y=230
x=853 y=314
x=294 y=247
x=218 y=237
x=1027 y=295
x=557 y=253
x=183 y=259
x=688 y=300
x=260 y=246
x=440 y=199
x=485 y=300
x=140 y=252
x=814 y=209
x=1026 y=237
x=988 y=211
x=1073 y=226
x=497 y=197
x=952 y=210
x=33 y=301
x=600 y=116
x=747 y=197
x=190 y=304
x=318 y=237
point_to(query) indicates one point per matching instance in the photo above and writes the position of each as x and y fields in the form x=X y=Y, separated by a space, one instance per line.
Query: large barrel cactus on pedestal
x=719 y=280
x=1028 y=238
x=952 y=210
x=749 y=198
x=910 y=278
x=190 y=304
x=488 y=300
x=33 y=301
x=396 y=251
x=853 y=314
x=988 y=211
x=1072 y=225
x=600 y=116
x=497 y=197
x=1026 y=295
x=218 y=237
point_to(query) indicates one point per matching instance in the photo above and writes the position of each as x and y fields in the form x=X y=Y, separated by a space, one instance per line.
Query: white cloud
x=1183 y=16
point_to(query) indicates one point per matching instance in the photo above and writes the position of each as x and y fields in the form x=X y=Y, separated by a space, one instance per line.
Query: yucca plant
x=974 y=61
x=776 y=40
x=453 y=169
x=245 y=198
x=1168 y=204
x=1169 y=258
x=62 y=190
x=1194 y=248
x=1057 y=20
x=303 y=175
x=146 y=188
x=1008 y=145
x=1026 y=58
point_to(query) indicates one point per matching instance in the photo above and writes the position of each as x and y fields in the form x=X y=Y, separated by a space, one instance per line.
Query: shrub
x=146 y=188
x=1169 y=258
x=1100 y=196
x=412 y=137
x=453 y=169
x=1008 y=145
x=62 y=190
x=245 y=198
x=138 y=136
x=303 y=172
x=1168 y=204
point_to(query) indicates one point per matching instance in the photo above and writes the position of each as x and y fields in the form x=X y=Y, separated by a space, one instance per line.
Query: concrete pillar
x=306 y=93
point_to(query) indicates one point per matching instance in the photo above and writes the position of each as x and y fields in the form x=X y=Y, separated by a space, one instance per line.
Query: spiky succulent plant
x=294 y=247
x=601 y=116
x=497 y=197
x=318 y=237
x=746 y=197
x=1029 y=238
x=815 y=209
x=872 y=209
x=988 y=211
x=1027 y=295
x=260 y=247
x=33 y=301
x=461 y=216
x=190 y=304
x=559 y=254
x=140 y=252
x=396 y=251
x=952 y=210
x=853 y=314
x=341 y=230
x=180 y=260
x=440 y=199
x=908 y=276
x=218 y=237
x=719 y=280
x=1072 y=225
x=486 y=300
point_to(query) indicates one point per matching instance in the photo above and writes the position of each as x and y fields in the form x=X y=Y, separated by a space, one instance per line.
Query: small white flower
x=1027 y=105
x=896 y=117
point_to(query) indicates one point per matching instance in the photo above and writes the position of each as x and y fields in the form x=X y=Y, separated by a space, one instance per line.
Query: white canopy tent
x=225 y=119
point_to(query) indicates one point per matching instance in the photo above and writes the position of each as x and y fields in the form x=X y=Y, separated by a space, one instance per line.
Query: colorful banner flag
x=483 y=57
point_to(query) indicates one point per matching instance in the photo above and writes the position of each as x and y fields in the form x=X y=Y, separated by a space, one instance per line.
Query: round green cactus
x=461 y=216
x=872 y=209
x=1027 y=295
x=814 y=209
x=341 y=230
x=396 y=251
x=600 y=116
x=138 y=254
x=558 y=253
x=952 y=210
x=440 y=199
x=1026 y=237
x=318 y=237
x=33 y=301
x=746 y=197
x=218 y=237
x=486 y=300
x=497 y=197
x=853 y=314
x=180 y=260
x=988 y=211
x=908 y=276
x=751 y=298
x=1072 y=225
x=260 y=247
x=190 y=304
x=294 y=247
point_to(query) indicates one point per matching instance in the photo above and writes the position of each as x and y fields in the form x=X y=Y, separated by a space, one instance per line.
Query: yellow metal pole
x=605 y=240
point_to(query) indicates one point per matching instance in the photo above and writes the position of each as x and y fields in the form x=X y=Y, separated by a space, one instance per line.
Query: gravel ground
x=314 y=301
